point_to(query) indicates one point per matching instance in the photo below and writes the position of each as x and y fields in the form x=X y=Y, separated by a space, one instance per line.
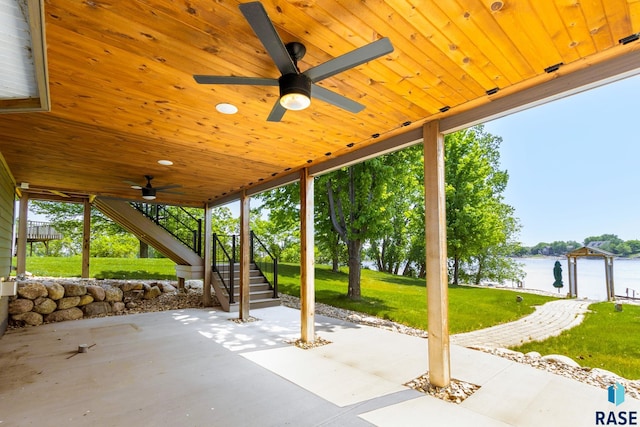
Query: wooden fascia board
x=39 y=51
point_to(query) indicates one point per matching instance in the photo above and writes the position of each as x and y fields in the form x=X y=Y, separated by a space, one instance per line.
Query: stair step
x=262 y=303
x=256 y=295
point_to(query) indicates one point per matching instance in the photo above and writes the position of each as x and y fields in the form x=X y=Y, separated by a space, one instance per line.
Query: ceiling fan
x=148 y=191
x=296 y=88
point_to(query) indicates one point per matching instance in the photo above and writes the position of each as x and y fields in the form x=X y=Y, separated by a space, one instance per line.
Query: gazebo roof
x=589 y=251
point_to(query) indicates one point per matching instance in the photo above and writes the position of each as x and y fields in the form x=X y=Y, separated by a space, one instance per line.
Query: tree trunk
x=144 y=250
x=456 y=269
x=480 y=272
x=355 y=265
x=335 y=260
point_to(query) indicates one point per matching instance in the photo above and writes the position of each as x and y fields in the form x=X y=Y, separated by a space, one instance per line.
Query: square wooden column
x=436 y=256
x=207 y=300
x=307 y=262
x=86 y=239
x=245 y=257
x=23 y=214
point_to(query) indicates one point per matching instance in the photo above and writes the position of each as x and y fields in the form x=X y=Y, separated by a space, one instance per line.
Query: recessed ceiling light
x=165 y=162
x=226 y=108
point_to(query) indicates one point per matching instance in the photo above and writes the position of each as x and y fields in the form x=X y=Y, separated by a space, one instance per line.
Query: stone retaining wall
x=40 y=301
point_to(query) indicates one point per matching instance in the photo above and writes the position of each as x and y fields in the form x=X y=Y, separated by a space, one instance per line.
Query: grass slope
x=404 y=299
x=606 y=339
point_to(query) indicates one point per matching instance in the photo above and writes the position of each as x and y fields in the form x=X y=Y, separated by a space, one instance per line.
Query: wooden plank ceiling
x=123 y=96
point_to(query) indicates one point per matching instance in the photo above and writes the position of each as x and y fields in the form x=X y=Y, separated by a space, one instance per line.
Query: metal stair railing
x=226 y=252
x=223 y=261
x=182 y=225
x=265 y=261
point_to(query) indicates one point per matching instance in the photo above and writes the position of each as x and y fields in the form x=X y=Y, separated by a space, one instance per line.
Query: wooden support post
x=23 y=214
x=575 y=277
x=436 y=256
x=244 y=257
x=613 y=287
x=307 y=263
x=86 y=239
x=608 y=272
x=207 y=300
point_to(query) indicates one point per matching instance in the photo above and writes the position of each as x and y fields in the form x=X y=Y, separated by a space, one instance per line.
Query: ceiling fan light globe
x=295 y=101
x=149 y=197
x=295 y=91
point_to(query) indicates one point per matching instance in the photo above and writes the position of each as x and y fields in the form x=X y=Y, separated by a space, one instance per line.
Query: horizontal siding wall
x=7 y=191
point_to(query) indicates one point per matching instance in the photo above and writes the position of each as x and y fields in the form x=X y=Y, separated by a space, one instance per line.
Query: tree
x=479 y=224
x=67 y=218
x=356 y=201
x=391 y=245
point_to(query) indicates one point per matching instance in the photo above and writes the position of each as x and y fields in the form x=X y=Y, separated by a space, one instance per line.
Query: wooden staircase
x=261 y=294
x=146 y=230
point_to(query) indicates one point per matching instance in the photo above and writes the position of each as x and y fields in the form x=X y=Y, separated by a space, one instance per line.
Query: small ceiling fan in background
x=296 y=88
x=149 y=192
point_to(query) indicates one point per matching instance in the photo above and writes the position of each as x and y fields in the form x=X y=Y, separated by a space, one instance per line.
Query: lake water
x=591 y=276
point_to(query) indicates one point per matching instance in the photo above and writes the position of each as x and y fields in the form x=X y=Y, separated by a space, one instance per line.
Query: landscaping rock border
x=47 y=300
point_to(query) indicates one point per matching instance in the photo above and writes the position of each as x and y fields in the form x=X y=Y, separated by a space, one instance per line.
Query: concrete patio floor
x=196 y=367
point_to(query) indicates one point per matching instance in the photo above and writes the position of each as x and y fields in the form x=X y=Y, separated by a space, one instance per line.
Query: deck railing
x=179 y=222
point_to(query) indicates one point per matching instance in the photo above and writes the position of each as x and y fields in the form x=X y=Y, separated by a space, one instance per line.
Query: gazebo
x=585 y=251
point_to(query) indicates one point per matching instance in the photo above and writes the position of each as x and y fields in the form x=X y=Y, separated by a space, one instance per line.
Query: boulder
x=153 y=292
x=558 y=358
x=20 y=305
x=97 y=308
x=126 y=287
x=85 y=299
x=113 y=294
x=97 y=292
x=74 y=289
x=73 y=313
x=44 y=306
x=29 y=318
x=118 y=307
x=32 y=290
x=55 y=290
x=167 y=287
x=68 y=302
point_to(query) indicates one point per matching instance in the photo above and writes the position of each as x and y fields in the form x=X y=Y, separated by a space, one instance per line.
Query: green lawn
x=404 y=300
x=606 y=339
x=103 y=268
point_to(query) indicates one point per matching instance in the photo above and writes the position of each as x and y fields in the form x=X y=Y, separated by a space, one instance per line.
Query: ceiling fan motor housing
x=148 y=192
x=294 y=85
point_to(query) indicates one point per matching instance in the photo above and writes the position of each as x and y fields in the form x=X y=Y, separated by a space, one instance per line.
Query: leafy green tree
x=67 y=218
x=479 y=223
x=391 y=244
x=357 y=201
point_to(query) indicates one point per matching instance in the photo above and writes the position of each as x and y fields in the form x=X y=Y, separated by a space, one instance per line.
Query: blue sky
x=574 y=165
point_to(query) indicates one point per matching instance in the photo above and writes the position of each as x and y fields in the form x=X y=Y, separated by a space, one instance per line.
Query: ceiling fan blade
x=234 y=80
x=349 y=60
x=133 y=185
x=318 y=92
x=277 y=112
x=263 y=27
x=167 y=187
